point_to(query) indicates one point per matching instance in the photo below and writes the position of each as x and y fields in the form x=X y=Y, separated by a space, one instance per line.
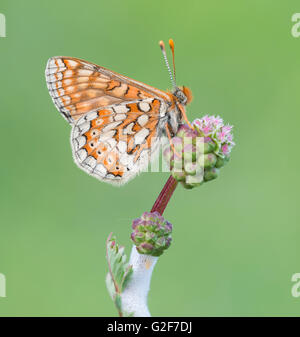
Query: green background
x=236 y=239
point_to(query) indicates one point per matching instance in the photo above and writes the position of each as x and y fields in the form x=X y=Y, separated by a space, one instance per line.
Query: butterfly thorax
x=179 y=98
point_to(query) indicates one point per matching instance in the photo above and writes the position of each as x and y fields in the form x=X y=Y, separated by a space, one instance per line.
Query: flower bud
x=211 y=174
x=151 y=234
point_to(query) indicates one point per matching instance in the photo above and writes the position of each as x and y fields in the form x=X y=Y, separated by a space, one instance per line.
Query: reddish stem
x=164 y=196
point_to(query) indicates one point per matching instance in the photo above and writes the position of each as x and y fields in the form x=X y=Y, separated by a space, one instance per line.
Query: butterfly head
x=183 y=95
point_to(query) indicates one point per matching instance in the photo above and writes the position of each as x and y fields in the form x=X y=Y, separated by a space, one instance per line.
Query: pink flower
x=217 y=121
x=227 y=129
x=206 y=130
x=225 y=149
x=229 y=138
x=213 y=127
x=221 y=136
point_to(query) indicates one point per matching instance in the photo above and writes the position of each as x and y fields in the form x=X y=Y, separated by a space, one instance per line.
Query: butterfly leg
x=170 y=140
x=184 y=116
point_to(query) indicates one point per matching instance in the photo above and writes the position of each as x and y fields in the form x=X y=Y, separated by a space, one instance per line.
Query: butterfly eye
x=180 y=95
x=188 y=93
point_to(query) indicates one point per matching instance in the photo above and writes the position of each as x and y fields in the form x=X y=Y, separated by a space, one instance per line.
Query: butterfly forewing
x=77 y=87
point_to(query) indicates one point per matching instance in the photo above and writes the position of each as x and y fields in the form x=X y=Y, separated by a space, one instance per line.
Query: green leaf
x=118 y=302
x=127 y=276
x=119 y=270
x=110 y=286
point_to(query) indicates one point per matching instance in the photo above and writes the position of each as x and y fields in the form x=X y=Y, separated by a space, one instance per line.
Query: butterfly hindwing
x=115 y=143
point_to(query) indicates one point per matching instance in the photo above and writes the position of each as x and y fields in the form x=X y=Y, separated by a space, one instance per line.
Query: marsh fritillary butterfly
x=116 y=121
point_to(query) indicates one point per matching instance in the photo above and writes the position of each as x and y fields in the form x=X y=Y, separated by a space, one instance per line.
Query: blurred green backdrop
x=236 y=239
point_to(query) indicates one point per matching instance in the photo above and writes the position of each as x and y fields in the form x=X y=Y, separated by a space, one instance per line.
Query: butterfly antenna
x=163 y=49
x=171 y=44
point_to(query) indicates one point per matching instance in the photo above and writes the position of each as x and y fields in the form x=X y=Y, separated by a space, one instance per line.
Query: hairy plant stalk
x=165 y=196
x=134 y=296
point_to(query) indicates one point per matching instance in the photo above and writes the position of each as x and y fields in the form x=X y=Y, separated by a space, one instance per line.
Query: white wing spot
x=68 y=82
x=140 y=137
x=122 y=146
x=82 y=154
x=111 y=142
x=56 y=77
x=76 y=132
x=124 y=159
x=121 y=109
x=84 y=72
x=84 y=127
x=59 y=92
x=101 y=170
x=66 y=100
x=60 y=63
x=99 y=121
x=52 y=70
x=106 y=136
x=90 y=161
x=120 y=117
x=145 y=107
x=51 y=64
x=142 y=120
x=81 y=141
x=68 y=73
x=111 y=126
x=92 y=115
x=72 y=63
x=128 y=129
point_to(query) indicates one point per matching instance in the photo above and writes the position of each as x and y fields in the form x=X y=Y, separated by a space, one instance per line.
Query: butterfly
x=117 y=122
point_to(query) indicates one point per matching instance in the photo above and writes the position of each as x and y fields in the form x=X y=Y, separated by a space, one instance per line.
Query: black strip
x=126 y=92
x=151 y=326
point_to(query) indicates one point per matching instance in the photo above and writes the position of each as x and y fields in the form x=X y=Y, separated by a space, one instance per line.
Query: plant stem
x=164 y=196
x=134 y=296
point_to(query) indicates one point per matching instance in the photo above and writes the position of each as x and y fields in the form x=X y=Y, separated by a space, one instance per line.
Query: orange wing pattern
x=116 y=142
x=77 y=87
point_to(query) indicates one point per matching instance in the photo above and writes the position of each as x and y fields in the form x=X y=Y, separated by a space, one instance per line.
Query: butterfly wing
x=115 y=143
x=77 y=87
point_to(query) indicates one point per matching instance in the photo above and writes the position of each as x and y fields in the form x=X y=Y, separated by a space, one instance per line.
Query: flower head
x=151 y=234
x=197 y=154
x=213 y=127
